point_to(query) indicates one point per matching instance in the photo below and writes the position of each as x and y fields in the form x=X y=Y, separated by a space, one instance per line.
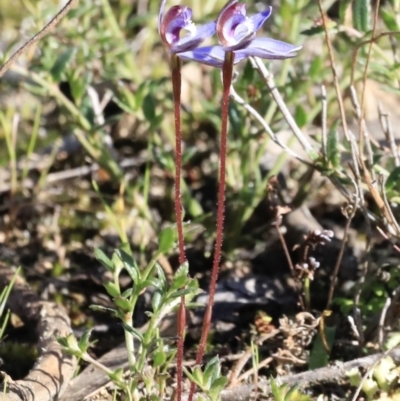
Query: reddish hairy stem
x=227 y=71
x=176 y=85
x=176 y=88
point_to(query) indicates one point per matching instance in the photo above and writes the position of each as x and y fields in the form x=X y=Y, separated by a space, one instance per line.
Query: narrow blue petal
x=254 y=52
x=260 y=18
x=210 y=55
x=275 y=50
x=193 y=40
x=274 y=46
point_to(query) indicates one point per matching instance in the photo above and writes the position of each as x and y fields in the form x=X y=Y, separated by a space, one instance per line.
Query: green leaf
x=193 y=205
x=156 y=301
x=79 y=85
x=123 y=304
x=211 y=371
x=276 y=390
x=159 y=358
x=393 y=181
x=139 y=94
x=83 y=342
x=217 y=386
x=361 y=15
x=319 y=356
x=389 y=18
x=235 y=119
x=127 y=293
x=112 y=289
x=180 y=277
x=103 y=259
x=248 y=73
x=72 y=342
x=99 y=308
x=161 y=276
x=183 y=270
x=316 y=68
x=183 y=291
x=315 y=30
x=300 y=116
x=190 y=375
x=167 y=239
x=61 y=63
x=129 y=264
x=198 y=377
x=117 y=375
x=151 y=282
x=293 y=394
x=117 y=262
x=136 y=333
x=149 y=107
x=178 y=282
x=332 y=147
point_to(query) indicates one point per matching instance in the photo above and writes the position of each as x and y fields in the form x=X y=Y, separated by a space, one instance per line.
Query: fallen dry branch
x=53 y=370
x=336 y=373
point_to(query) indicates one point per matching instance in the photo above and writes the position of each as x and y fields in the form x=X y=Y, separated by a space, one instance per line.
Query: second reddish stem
x=227 y=71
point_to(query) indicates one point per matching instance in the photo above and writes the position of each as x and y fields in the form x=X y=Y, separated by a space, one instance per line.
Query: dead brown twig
x=54 y=369
x=43 y=32
x=330 y=374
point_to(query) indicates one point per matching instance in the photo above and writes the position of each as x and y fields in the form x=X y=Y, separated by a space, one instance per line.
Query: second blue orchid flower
x=237 y=33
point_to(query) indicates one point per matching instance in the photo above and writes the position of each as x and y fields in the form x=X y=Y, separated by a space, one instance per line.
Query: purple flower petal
x=274 y=46
x=234 y=29
x=230 y=18
x=268 y=49
x=210 y=55
x=175 y=19
x=259 y=19
x=194 y=39
x=243 y=34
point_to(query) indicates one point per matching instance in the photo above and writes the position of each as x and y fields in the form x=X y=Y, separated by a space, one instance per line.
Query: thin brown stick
x=251 y=371
x=387 y=128
x=364 y=81
x=334 y=71
x=365 y=42
x=277 y=224
x=342 y=248
x=51 y=25
x=239 y=365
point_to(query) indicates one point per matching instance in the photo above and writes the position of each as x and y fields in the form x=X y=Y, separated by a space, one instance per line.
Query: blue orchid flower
x=237 y=33
x=179 y=18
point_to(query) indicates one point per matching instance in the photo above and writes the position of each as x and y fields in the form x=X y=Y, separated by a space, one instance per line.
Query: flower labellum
x=237 y=33
x=179 y=18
